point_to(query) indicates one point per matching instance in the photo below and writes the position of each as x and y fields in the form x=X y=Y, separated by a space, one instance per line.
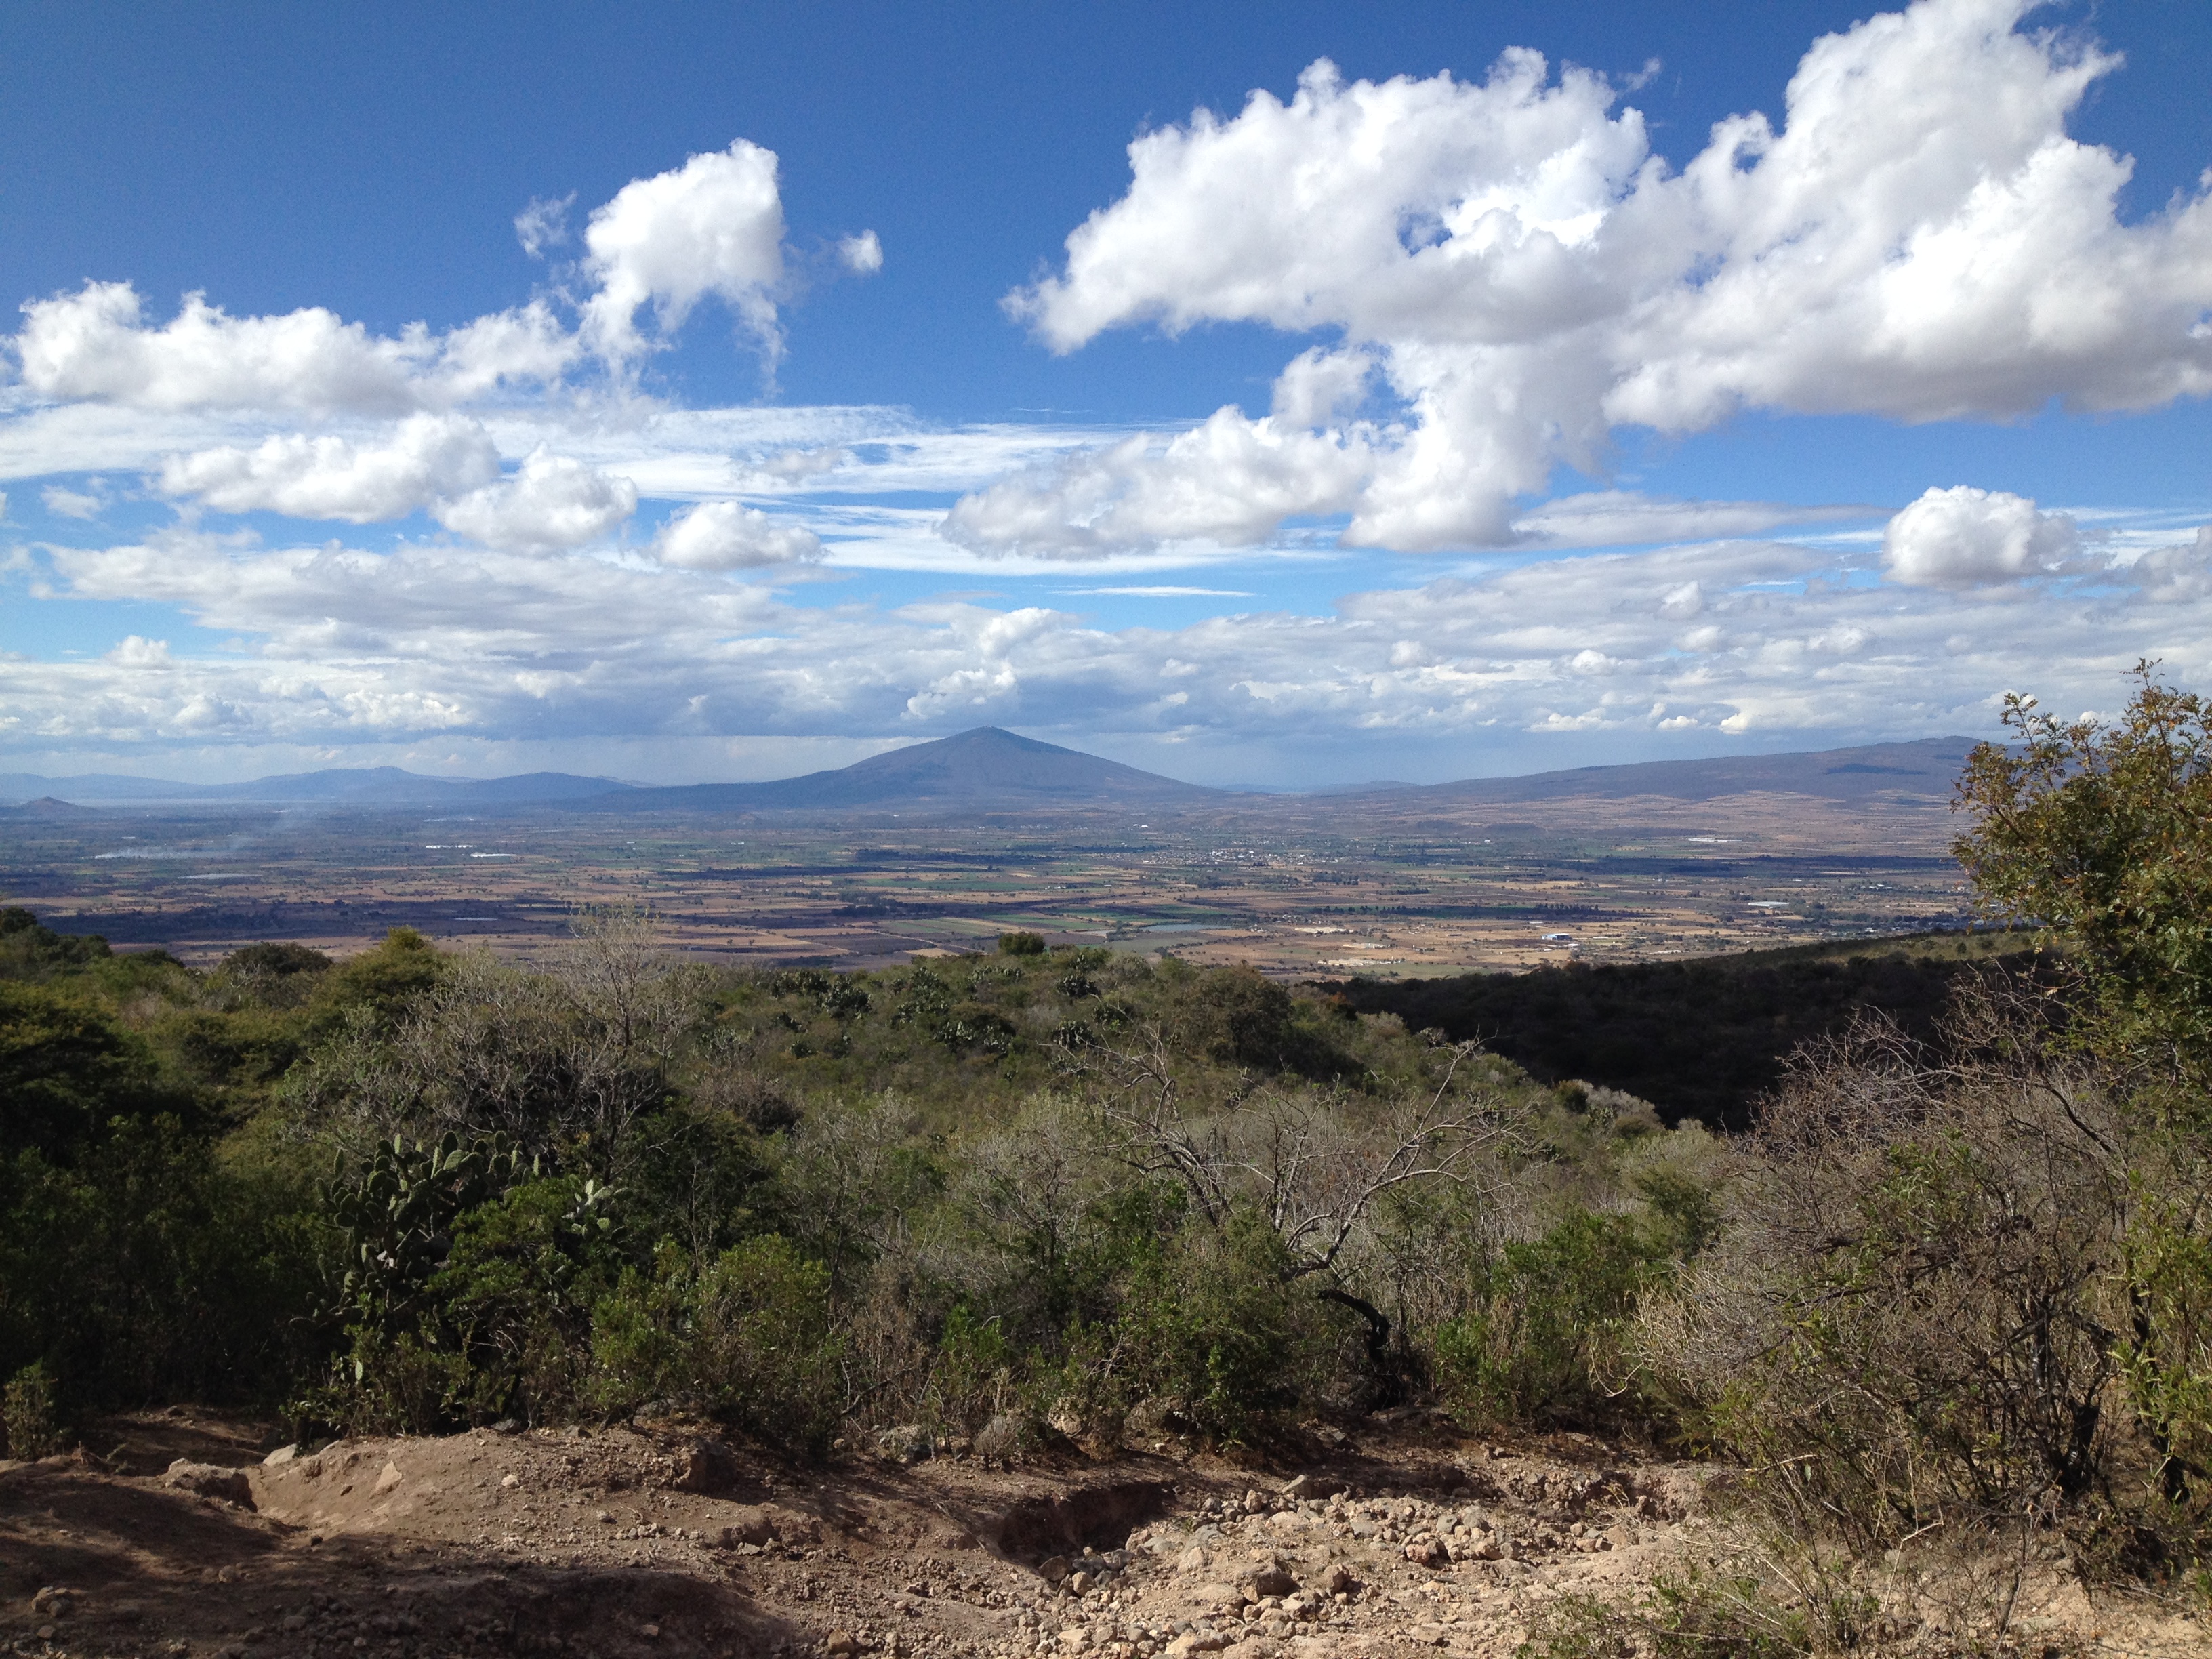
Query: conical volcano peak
x=984 y=765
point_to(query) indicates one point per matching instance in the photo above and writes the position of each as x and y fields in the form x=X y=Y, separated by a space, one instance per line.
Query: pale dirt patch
x=664 y=1540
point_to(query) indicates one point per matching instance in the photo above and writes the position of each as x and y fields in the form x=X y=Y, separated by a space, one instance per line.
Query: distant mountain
x=984 y=766
x=20 y=786
x=1927 y=767
x=353 y=786
x=987 y=766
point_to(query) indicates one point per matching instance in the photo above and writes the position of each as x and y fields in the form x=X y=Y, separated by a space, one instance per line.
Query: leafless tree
x=1312 y=1163
x=562 y=1057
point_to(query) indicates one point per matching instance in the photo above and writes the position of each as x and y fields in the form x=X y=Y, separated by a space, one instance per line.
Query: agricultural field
x=1299 y=887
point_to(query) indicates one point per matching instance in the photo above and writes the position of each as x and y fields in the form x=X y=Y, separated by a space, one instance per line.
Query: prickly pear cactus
x=396 y=1212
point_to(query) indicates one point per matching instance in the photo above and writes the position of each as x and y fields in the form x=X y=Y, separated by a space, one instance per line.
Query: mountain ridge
x=989 y=765
x=1927 y=766
x=339 y=785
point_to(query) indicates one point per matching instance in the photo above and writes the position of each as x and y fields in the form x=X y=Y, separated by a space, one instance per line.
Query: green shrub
x=972 y=1373
x=1236 y=1015
x=2102 y=833
x=151 y=1268
x=397 y=1212
x=747 y=1336
x=272 y=975
x=67 y=1068
x=643 y=1335
x=515 y=1296
x=28 y=1415
x=1547 y=1339
x=33 y=952
x=381 y=983
x=1574 y=1627
x=2165 y=1351
x=1702 y=1614
x=767 y=1355
x=1217 y=1322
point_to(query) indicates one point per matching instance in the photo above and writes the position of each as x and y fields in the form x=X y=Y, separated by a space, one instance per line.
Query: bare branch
x=1305 y=1163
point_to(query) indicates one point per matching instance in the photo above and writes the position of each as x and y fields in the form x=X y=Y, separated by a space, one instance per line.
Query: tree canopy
x=2101 y=833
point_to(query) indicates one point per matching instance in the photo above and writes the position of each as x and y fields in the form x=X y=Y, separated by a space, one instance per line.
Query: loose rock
x=211 y=1480
x=906 y=1442
x=706 y=1467
x=1006 y=1436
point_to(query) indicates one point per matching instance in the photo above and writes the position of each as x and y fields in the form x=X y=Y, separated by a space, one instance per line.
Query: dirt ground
x=193 y=1534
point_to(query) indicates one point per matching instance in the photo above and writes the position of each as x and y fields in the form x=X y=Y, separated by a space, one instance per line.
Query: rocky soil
x=194 y=1536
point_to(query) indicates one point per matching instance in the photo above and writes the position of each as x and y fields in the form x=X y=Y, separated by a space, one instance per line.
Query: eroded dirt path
x=669 y=1541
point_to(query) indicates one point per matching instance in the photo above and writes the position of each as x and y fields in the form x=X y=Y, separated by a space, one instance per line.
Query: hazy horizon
x=1217 y=783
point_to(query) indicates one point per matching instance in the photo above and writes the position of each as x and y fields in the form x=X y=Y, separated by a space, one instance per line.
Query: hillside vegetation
x=1705 y=1038
x=1950 y=1292
x=419 y=1190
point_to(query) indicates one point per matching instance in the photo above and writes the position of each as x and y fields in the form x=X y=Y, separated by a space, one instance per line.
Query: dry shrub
x=562 y=1058
x=1908 y=1325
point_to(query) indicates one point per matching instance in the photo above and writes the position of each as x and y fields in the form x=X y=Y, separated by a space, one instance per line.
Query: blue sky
x=1610 y=442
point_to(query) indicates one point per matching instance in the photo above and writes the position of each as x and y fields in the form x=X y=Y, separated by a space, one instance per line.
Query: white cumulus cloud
x=1920 y=238
x=426 y=459
x=551 y=504
x=1725 y=637
x=1966 y=538
x=95 y=345
x=863 y=254
x=2170 y=575
x=713 y=225
x=725 y=536
x=135 y=651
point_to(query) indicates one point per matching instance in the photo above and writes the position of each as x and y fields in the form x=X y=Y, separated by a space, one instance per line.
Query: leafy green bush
x=973 y=1372
x=2166 y=1347
x=767 y=1355
x=1706 y=1614
x=1234 y=1015
x=1546 y=1341
x=746 y=1335
x=1217 y=1322
x=152 y=1268
x=2102 y=834
x=516 y=1295
x=382 y=983
x=561 y=1191
x=31 y=952
x=67 y=1069
x=397 y=1212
